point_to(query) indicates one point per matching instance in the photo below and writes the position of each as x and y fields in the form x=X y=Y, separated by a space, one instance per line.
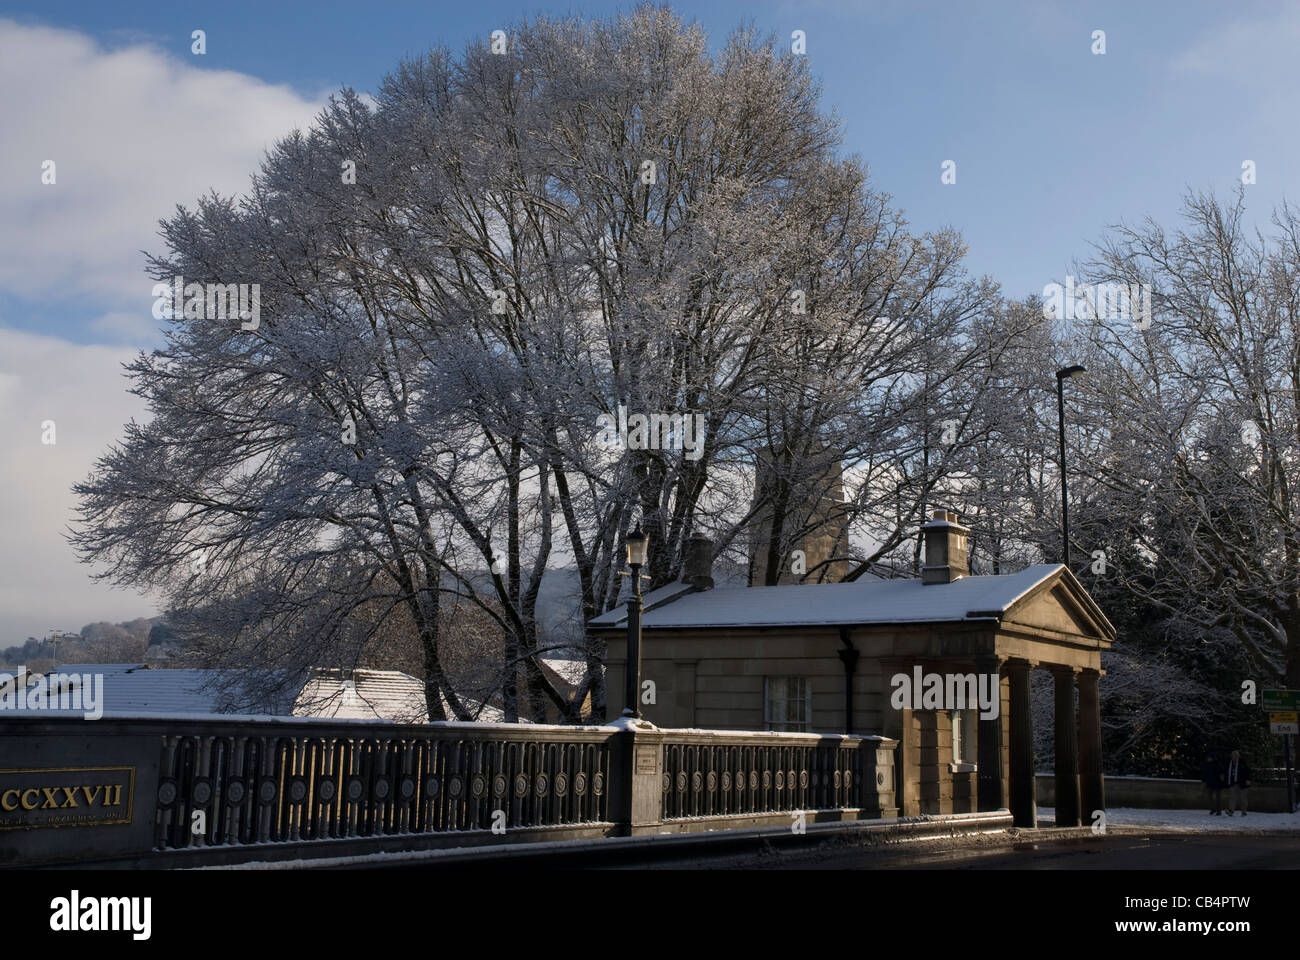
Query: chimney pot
x=946 y=546
x=697 y=568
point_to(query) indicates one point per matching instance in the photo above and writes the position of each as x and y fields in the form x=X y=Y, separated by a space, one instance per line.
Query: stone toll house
x=822 y=657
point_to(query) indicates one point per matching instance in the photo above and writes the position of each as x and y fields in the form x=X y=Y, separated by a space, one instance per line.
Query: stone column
x=1024 y=806
x=902 y=725
x=989 y=745
x=877 y=773
x=1093 y=786
x=636 y=769
x=1067 y=738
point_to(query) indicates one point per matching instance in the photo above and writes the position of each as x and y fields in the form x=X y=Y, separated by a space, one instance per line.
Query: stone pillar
x=636 y=770
x=1093 y=786
x=1067 y=765
x=904 y=727
x=1024 y=806
x=989 y=745
x=849 y=656
x=877 y=773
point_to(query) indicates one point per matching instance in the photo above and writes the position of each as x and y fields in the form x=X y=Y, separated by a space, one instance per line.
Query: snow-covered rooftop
x=572 y=670
x=363 y=695
x=135 y=688
x=836 y=604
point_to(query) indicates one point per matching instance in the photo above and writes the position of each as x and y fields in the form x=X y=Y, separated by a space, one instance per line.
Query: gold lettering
x=14 y=800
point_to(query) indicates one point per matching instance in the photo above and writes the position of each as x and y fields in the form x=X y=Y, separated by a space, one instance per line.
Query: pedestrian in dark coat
x=1215 y=778
x=1236 y=776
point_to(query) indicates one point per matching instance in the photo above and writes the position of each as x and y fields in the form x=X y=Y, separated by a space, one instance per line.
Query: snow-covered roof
x=133 y=689
x=364 y=695
x=842 y=604
x=136 y=690
x=572 y=670
x=375 y=695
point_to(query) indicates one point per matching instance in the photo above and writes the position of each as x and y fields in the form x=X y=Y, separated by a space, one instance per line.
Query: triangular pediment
x=1061 y=605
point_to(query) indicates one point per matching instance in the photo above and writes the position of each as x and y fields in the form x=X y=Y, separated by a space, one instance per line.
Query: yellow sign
x=1284 y=717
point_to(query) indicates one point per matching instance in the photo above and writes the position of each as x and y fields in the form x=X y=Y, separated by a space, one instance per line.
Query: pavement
x=1117 y=851
x=1195 y=821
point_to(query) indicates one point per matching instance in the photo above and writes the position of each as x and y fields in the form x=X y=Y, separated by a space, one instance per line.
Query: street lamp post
x=55 y=637
x=1061 y=377
x=637 y=543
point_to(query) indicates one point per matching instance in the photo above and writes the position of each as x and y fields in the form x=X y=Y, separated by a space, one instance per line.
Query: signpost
x=1284 y=700
x=1283 y=708
x=1281 y=722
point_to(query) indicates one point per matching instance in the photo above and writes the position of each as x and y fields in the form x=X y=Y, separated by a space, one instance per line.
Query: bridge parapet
x=226 y=790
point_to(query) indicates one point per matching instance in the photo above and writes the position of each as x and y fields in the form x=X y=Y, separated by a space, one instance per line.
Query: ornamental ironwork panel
x=712 y=775
x=246 y=787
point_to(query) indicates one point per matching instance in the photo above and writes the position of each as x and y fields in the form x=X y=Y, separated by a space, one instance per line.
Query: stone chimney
x=697 y=563
x=945 y=548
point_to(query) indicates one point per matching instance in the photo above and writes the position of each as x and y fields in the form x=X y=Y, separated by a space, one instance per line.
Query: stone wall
x=1153 y=793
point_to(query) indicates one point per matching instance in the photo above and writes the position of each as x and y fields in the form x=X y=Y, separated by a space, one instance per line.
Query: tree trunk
x=1290 y=620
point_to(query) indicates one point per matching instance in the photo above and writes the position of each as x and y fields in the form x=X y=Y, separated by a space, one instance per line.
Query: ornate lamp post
x=637 y=544
x=1061 y=377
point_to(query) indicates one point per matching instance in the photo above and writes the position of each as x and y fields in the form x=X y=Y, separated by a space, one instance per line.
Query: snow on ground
x=1192 y=821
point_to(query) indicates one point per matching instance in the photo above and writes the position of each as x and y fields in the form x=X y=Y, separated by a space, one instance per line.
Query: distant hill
x=98 y=642
x=559 y=615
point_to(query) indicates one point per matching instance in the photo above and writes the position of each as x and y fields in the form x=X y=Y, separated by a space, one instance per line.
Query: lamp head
x=1073 y=371
x=637 y=544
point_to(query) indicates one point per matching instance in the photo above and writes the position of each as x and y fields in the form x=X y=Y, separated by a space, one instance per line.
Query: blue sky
x=1051 y=143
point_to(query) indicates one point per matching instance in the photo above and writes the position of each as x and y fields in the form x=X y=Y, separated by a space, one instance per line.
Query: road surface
x=1117 y=851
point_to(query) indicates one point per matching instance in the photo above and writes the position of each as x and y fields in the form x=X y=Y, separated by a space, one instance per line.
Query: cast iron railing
x=709 y=774
x=269 y=787
x=209 y=790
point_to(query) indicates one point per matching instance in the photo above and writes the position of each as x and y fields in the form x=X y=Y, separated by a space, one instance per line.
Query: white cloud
x=127 y=327
x=82 y=389
x=133 y=132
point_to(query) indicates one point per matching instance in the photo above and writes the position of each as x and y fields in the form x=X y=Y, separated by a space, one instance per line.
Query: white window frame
x=796 y=701
x=963 y=759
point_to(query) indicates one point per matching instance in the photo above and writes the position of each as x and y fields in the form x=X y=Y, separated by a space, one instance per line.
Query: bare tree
x=457 y=283
x=1195 y=439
